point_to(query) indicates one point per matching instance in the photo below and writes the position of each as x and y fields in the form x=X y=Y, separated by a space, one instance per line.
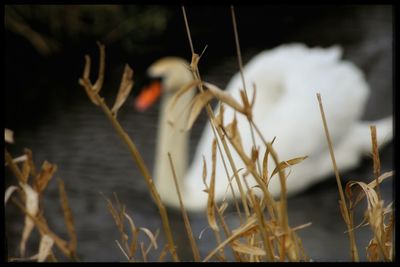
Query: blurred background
x=52 y=115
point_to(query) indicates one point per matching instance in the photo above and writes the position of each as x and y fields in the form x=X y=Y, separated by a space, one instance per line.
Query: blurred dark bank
x=52 y=115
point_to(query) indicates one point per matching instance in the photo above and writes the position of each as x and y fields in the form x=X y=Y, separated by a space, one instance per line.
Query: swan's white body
x=287 y=79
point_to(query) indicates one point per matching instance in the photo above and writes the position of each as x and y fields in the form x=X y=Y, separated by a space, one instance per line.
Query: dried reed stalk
x=342 y=202
x=216 y=130
x=193 y=245
x=375 y=157
x=92 y=91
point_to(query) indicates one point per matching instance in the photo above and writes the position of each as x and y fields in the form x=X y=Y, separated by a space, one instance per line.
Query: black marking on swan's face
x=148 y=79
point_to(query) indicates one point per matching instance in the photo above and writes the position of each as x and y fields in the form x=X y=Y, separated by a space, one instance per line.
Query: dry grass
x=129 y=244
x=30 y=189
x=264 y=233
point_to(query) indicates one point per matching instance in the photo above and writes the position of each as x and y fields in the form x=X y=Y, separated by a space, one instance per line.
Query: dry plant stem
x=260 y=134
x=377 y=170
x=211 y=205
x=244 y=203
x=353 y=246
x=122 y=250
x=269 y=201
x=28 y=153
x=261 y=222
x=144 y=171
x=235 y=199
x=14 y=168
x=92 y=92
x=240 y=63
x=283 y=205
x=44 y=229
x=221 y=254
x=17 y=25
x=283 y=214
x=389 y=233
x=227 y=232
x=143 y=252
x=382 y=250
x=375 y=157
x=193 y=245
x=187 y=29
x=68 y=218
x=211 y=117
x=227 y=241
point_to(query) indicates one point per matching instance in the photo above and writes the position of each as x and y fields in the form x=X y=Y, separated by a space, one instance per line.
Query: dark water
x=59 y=124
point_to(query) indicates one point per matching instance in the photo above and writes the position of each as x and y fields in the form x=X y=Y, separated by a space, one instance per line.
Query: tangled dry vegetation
x=265 y=232
x=30 y=190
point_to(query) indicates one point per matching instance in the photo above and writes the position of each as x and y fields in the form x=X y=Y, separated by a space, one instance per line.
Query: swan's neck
x=173 y=139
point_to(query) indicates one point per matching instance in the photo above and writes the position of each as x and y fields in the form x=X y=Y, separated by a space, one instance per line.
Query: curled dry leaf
x=369 y=192
x=265 y=162
x=46 y=243
x=11 y=189
x=32 y=199
x=382 y=233
x=184 y=89
x=224 y=97
x=243 y=230
x=372 y=185
x=135 y=231
x=124 y=89
x=8 y=136
x=197 y=104
x=284 y=164
x=247 y=249
x=211 y=199
x=234 y=134
x=18 y=159
x=376 y=219
x=150 y=235
x=32 y=207
x=205 y=175
x=44 y=177
x=265 y=166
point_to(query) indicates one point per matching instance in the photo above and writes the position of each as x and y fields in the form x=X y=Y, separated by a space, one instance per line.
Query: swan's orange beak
x=148 y=96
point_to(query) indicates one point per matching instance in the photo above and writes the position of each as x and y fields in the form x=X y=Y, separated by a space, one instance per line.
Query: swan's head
x=167 y=75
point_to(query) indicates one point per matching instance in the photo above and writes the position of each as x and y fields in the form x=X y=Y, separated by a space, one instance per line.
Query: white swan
x=287 y=79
